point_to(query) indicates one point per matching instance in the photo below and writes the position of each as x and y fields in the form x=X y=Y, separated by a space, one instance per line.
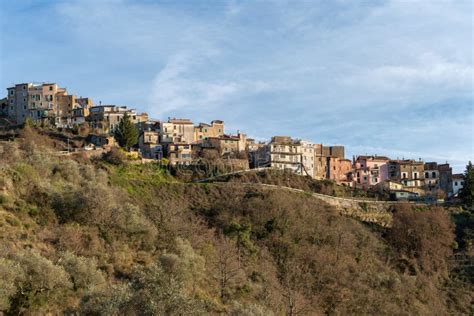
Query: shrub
x=83 y=271
x=115 y=157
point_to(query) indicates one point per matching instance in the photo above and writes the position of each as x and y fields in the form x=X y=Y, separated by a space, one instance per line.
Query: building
x=204 y=130
x=227 y=145
x=149 y=144
x=431 y=177
x=179 y=153
x=403 y=195
x=370 y=170
x=105 y=118
x=446 y=179
x=307 y=157
x=458 y=183
x=177 y=131
x=45 y=103
x=286 y=154
x=408 y=172
x=339 y=170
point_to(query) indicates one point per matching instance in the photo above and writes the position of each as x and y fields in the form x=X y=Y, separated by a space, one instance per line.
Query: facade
x=179 y=153
x=307 y=157
x=370 y=170
x=458 y=183
x=204 y=130
x=403 y=195
x=177 y=131
x=149 y=144
x=446 y=179
x=227 y=145
x=339 y=170
x=408 y=172
x=431 y=177
x=286 y=154
x=105 y=118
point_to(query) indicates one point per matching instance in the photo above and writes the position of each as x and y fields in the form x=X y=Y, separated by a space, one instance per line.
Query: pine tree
x=126 y=134
x=467 y=192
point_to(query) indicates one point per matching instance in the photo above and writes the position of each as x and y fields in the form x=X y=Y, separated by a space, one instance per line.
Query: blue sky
x=380 y=77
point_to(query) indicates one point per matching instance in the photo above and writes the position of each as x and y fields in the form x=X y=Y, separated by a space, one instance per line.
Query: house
x=431 y=177
x=408 y=172
x=339 y=170
x=101 y=140
x=286 y=154
x=149 y=144
x=204 y=130
x=403 y=195
x=389 y=186
x=178 y=153
x=177 y=131
x=458 y=183
x=446 y=179
x=105 y=118
x=227 y=145
x=307 y=158
x=370 y=170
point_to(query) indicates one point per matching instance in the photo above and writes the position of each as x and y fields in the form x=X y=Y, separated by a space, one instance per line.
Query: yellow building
x=204 y=130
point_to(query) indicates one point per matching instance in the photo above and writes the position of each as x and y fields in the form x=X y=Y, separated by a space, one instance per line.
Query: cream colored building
x=105 y=118
x=177 y=131
x=204 y=130
x=286 y=154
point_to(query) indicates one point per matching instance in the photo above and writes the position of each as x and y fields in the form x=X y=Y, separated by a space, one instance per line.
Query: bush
x=83 y=271
x=115 y=157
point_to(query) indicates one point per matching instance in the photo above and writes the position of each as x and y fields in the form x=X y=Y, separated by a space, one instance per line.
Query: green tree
x=467 y=192
x=126 y=134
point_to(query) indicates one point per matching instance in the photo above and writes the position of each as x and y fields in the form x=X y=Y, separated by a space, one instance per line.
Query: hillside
x=110 y=237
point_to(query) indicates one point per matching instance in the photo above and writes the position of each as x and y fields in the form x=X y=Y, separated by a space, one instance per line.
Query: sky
x=390 y=78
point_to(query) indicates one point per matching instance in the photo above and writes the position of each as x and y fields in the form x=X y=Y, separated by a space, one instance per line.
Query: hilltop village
x=180 y=142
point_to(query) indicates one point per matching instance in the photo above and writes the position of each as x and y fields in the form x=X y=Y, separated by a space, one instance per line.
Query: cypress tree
x=126 y=133
x=467 y=192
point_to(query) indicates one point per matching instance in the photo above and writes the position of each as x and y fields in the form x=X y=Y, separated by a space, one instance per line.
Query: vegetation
x=126 y=133
x=467 y=192
x=96 y=237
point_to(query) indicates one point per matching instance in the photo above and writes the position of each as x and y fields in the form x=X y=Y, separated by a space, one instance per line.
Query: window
x=50 y=88
x=433 y=174
x=462 y=182
x=427 y=175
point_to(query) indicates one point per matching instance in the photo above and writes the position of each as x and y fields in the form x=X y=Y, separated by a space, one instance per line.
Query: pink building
x=370 y=170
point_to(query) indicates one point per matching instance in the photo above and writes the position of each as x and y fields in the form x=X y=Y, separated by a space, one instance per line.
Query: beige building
x=105 y=118
x=179 y=153
x=177 y=131
x=307 y=157
x=204 y=130
x=408 y=172
x=44 y=102
x=149 y=144
x=227 y=145
x=286 y=154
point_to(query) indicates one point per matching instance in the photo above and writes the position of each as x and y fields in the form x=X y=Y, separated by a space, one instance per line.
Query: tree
x=467 y=192
x=126 y=134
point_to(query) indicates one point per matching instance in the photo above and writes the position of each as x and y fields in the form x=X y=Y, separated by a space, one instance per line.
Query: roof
x=374 y=157
x=458 y=176
x=179 y=121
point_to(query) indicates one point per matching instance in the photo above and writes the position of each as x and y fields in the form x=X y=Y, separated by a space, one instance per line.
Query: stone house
x=105 y=118
x=227 y=145
x=408 y=172
x=446 y=179
x=177 y=131
x=339 y=170
x=149 y=144
x=431 y=177
x=204 y=130
x=178 y=153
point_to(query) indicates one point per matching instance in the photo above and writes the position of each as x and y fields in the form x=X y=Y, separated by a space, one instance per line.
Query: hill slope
x=97 y=238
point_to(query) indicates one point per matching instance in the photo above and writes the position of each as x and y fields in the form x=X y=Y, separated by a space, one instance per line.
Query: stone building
x=431 y=177
x=178 y=153
x=204 y=130
x=177 y=131
x=149 y=144
x=408 y=172
x=227 y=145
x=105 y=118
x=445 y=173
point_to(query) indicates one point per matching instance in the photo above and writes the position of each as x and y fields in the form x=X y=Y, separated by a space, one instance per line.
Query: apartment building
x=408 y=172
x=340 y=170
x=177 y=131
x=227 y=145
x=445 y=174
x=286 y=154
x=431 y=177
x=105 y=118
x=149 y=144
x=307 y=158
x=179 y=153
x=204 y=130
x=370 y=171
x=45 y=102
